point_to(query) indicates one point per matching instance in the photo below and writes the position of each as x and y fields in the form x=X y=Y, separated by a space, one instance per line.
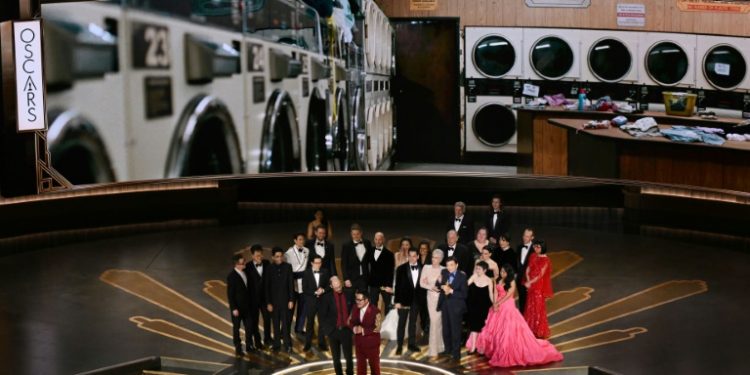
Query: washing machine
x=84 y=61
x=491 y=124
x=723 y=63
x=493 y=52
x=552 y=54
x=357 y=134
x=611 y=56
x=668 y=59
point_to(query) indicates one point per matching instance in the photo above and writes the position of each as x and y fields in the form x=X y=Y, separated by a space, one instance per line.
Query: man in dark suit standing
x=280 y=299
x=355 y=263
x=239 y=296
x=324 y=248
x=452 y=248
x=334 y=323
x=524 y=251
x=497 y=221
x=382 y=266
x=314 y=285
x=408 y=293
x=461 y=223
x=452 y=304
x=256 y=271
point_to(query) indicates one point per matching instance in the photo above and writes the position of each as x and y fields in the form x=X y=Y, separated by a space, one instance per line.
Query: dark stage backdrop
x=426 y=90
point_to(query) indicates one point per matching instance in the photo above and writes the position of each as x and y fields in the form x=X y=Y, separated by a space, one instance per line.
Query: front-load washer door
x=551 y=57
x=610 y=60
x=666 y=63
x=494 y=124
x=493 y=56
x=724 y=67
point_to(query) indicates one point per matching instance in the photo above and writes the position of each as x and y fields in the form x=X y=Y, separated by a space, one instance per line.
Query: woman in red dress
x=539 y=288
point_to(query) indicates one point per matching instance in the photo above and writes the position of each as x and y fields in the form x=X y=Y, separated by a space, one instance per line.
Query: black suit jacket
x=238 y=294
x=259 y=296
x=502 y=257
x=465 y=231
x=521 y=265
x=455 y=302
x=329 y=261
x=501 y=225
x=381 y=270
x=308 y=283
x=350 y=264
x=465 y=261
x=279 y=284
x=405 y=292
x=327 y=313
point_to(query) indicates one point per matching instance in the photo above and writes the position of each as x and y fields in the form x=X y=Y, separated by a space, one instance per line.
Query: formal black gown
x=479 y=304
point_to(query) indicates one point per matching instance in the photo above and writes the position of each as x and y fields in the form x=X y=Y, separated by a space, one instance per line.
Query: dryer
x=493 y=52
x=552 y=54
x=491 y=124
x=611 y=56
x=84 y=61
x=668 y=59
x=722 y=63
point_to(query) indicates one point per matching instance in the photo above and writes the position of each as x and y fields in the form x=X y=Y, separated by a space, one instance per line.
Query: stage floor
x=630 y=304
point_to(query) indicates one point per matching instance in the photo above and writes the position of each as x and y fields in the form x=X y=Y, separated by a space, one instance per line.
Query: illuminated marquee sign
x=28 y=69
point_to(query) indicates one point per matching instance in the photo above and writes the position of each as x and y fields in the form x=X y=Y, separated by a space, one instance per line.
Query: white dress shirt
x=361 y=250
x=414 y=274
x=316 y=275
x=298 y=261
x=242 y=275
x=451 y=252
x=457 y=223
x=362 y=312
x=259 y=269
x=320 y=250
x=494 y=219
x=378 y=251
x=524 y=252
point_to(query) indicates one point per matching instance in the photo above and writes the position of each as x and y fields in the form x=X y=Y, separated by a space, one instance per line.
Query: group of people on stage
x=462 y=293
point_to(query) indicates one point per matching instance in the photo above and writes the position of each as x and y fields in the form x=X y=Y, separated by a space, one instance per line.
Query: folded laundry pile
x=679 y=133
x=643 y=127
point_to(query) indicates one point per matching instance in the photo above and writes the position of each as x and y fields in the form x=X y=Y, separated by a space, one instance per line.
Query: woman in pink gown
x=506 y=339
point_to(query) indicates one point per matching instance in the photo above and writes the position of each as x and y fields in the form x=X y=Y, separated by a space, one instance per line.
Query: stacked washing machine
x=491 y=54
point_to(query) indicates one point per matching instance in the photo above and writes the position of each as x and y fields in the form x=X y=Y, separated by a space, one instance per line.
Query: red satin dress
x=536 y=296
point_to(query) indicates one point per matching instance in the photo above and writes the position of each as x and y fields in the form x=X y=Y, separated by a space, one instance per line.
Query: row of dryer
x=147 y=90
x=682 y=61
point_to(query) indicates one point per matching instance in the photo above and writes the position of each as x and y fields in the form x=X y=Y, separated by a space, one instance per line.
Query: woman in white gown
x=430 y=275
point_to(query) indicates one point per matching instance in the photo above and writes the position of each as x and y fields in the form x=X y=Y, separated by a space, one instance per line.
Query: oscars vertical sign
x=29 y=76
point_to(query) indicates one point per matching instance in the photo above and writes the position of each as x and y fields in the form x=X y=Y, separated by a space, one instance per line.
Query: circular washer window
x=494 y=56
x=724 y=67
x=610 y=60
x=666 y=63
x=494 y=124
x=551 y=57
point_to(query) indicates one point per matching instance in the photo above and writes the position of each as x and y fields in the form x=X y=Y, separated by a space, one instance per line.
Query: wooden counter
x=550 y=145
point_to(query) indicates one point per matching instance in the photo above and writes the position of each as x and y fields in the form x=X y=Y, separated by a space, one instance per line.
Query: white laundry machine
x=490 y=124
x=668 y=59
x=85 y=91
x=611 y=56
x=493 y=52
x=552 y=54
x=723 y=63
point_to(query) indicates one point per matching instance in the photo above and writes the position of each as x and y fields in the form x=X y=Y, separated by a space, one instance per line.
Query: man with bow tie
x=239 y=295
x=408 y=293
x=453 y=248
x=256 y=270
x=452 y=304
x=298 y=257
x=315 y=283
x=355 y=263
x=496 y=221
x=461 y=223
x=321 y=246
x=382 y=265
x=524 y=252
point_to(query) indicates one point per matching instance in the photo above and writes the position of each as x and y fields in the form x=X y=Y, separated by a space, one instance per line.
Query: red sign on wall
x=723 y=6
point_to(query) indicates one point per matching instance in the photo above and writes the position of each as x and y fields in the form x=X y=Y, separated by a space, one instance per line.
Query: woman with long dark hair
x=506 y=339
x=539 y=289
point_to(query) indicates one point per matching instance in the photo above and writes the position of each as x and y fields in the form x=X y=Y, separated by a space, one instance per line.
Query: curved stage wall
x=85 y=213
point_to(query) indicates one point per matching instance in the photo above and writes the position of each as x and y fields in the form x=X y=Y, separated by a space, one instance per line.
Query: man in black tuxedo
x=239 y=293
x=497 y=221
x=461 y=223
x=256 y=271
x=314 y=285
x=324 y=248
x=382 y=265
x=279 y=285
x=452 y=304
x=408 y=293
x=334 y=323
x=524 y=251
x=452 y=248
x=355 y=263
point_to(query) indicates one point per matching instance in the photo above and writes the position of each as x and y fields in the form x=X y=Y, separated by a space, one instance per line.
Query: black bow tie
x=378 y=249
x=259 y=265
x=496 y=212
x=457 y=219
x=316 y=271
x=300 y=250
x=413 y=268
x=357 y=243
x=320 y=243
x=451 y=248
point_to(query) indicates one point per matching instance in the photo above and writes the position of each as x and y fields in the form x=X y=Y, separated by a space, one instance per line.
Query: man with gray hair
x=334 y=324
x=461 y=223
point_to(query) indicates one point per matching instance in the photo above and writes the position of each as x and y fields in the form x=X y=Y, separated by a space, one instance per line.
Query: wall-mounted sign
x=723 y=6
x=29 y=76
x=558 y=3
x=422 y=5
x=631 y=15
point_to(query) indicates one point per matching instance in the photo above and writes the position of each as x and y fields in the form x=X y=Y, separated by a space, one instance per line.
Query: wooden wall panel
x=661 y=15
